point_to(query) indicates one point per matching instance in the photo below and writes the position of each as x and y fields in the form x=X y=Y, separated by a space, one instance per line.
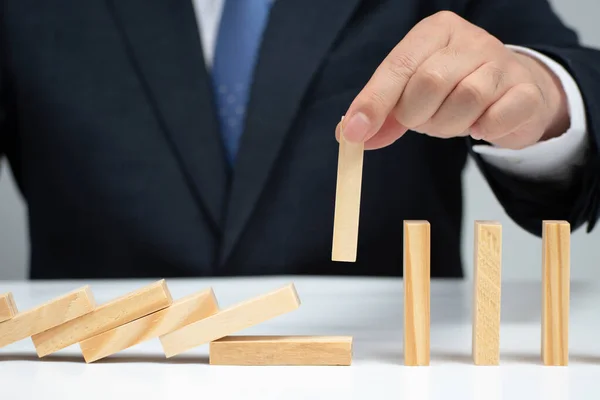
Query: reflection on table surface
x=368 y=309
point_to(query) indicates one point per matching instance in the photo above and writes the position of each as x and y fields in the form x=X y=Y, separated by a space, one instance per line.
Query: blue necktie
x=239 y=37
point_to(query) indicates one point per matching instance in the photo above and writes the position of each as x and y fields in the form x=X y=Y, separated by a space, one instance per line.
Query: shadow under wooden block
x=181 y=313
x=47 y=316
x=120 y=311
x=282 y=350
x=8 y=308
x=231 y=320
x=116 y=359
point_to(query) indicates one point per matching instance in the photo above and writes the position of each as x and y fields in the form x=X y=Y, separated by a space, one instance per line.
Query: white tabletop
x=370 y=310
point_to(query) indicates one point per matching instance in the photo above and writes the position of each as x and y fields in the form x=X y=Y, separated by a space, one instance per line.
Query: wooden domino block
x=347 y=201
x=487 y=262
x=108 y=316
x=8 y=308
x=281 y=350
x=181 y=313
x=555 y=292
x=416 y=293
x=47 y=316
x=231 y=320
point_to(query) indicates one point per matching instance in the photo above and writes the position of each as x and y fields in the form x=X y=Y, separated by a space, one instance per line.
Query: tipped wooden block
x=120 y=311
x=8 y=308
x=555 y=292
x=486 y=292
x=231 y=320
x=281 y=350
x=416 y=293
x=181 y=313
x=47 y=316
x=347 y=201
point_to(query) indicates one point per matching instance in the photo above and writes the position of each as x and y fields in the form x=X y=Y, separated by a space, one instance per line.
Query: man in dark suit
x=163 y=138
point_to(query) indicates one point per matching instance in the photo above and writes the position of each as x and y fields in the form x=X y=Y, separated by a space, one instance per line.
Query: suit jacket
x=108 y=122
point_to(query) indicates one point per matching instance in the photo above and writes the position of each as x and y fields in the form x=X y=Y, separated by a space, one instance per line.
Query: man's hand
x=450 y=78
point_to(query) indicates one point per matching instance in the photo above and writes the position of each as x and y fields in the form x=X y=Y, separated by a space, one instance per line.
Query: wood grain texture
x=347 y=201
x=181 y=313
x=108 y=316
x=417 y=293
x=555 y=292
x=8 y=307
x=281 y=350
x=47 y=316
x=487 y=273
x=231 y=320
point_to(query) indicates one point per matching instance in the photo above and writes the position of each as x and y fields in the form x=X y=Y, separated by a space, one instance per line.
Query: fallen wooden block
x=487 y=263
x=120 y=311
x=47 y=316
x=555 y=292
x=8 y=308
x=281 y=350
x=231 y=320
x=181 y=313
x=347 y=201
x=416 y=292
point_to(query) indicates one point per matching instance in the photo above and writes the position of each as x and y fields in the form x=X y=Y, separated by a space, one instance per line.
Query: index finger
x=376 y=100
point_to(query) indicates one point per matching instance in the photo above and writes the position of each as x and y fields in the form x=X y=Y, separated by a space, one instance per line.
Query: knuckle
x=496 y=74
x=432 y=80
x=470 y=92
x=446 y=16
x=402 y=66
x=450 y=51
x=370 y=102
x=529 y=94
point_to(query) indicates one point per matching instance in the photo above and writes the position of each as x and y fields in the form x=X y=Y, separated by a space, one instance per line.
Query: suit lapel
x=165 y=47
x=296 y=39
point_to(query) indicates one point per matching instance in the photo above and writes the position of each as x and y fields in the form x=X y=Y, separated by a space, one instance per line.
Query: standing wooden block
x=120 y=311
x=486 y=292
x=555 y=292
x=347 y=201
x=8 y=308
x=281 y=350
x=416 y=292
x=231 y=320
x=47 y=316
x=181 y=313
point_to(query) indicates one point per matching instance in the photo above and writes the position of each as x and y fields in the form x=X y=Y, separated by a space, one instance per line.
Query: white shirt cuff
x=553 y=159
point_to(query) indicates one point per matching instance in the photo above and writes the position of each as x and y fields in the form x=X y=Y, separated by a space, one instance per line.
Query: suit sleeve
x=535 y=25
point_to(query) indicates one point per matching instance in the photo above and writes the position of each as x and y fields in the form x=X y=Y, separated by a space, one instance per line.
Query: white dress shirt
x=553 y=159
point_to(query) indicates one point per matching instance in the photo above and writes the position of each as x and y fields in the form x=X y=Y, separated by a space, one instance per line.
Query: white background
x=521 y=254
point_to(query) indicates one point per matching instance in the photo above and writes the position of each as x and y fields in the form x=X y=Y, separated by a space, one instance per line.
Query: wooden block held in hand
x=117 y=312
x=347 y=201
x=487 y=262
x=417 y=277
x=231 y=320
x=181 y=313
x=555 y=292
x=281 y=350
x=8 y=308
x=47 y=316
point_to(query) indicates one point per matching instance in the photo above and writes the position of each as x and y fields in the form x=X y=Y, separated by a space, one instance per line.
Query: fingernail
x=357 y=128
